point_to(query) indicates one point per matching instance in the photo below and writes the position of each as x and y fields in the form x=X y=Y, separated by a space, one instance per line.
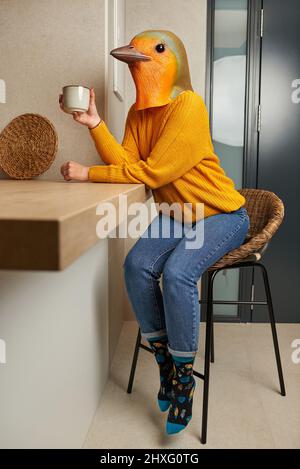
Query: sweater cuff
x=94 y=174
x=97 y=131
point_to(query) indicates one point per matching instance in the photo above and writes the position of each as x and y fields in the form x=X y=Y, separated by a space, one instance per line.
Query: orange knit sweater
x=169 y=149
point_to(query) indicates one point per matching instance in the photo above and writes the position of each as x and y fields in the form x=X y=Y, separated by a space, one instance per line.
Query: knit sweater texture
x=169 y=149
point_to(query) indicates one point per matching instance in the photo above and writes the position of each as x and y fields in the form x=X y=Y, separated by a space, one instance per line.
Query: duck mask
x=159 y=66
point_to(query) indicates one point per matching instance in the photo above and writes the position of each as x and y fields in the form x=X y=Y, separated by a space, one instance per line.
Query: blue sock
x=180 y=412
x=164 y=360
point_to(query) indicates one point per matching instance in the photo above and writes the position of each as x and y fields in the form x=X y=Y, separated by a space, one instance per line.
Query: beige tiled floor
x=245 y=408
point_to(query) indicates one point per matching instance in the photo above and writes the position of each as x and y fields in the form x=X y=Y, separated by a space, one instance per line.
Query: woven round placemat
x=28 y=146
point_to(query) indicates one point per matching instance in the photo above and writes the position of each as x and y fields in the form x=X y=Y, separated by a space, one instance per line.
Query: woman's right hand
x=90 y=118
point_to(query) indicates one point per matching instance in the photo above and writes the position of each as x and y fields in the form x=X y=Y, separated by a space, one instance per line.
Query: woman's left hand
x=74 y=171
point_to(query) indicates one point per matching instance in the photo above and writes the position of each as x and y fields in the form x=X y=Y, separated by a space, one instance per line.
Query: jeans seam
x=159 y=315
x=194 y=322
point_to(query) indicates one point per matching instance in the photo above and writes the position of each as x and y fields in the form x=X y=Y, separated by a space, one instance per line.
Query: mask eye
x=160 y=48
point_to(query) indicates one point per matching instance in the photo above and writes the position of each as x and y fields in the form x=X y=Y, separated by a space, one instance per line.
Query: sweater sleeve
x=181 y=146
x=110 y=150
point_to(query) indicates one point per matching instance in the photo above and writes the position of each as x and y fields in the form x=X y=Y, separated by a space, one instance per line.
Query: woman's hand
x=90 y=118
x=74 y=171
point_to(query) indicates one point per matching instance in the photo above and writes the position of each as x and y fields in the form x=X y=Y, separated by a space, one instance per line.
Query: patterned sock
x=180 y=412
x=166 y=370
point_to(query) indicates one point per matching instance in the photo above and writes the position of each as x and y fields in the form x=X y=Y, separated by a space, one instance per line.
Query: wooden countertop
x=46 y=225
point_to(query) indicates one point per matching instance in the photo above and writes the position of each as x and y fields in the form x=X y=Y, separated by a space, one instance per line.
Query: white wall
x=55 y=325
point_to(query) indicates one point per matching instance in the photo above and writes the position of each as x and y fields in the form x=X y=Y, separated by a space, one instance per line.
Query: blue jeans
x=174 y=309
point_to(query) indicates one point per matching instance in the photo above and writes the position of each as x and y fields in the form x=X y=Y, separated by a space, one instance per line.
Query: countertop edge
x=54 y=244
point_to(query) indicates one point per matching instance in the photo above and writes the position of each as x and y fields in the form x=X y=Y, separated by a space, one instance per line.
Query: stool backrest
x=265 y=210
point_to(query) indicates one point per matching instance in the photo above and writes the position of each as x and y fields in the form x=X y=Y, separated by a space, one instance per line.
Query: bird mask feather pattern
x=159 y=66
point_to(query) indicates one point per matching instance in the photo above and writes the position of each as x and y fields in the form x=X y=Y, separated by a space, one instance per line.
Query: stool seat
x=266 y=212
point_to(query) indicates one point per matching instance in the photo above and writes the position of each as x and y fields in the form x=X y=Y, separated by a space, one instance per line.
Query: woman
x=167 y=146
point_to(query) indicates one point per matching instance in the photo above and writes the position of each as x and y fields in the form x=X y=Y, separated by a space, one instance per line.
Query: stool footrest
x=235 y=302
x=199 y=375
x=146 y=348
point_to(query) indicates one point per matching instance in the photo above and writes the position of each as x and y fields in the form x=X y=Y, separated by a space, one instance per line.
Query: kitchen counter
x=46 y=225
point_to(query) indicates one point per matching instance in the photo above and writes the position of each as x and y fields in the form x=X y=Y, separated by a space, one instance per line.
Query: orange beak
x=129 y=54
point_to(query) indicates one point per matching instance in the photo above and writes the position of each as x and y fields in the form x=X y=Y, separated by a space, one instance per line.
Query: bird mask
x=159 y=66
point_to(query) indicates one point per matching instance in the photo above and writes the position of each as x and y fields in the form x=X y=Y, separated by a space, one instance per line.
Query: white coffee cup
x=76 y=98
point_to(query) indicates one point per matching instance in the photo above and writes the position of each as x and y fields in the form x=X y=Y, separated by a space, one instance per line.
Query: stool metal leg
x=208 y=343
x=212 y=353
x=212 y=357
x=134 y=362
x=273 y=327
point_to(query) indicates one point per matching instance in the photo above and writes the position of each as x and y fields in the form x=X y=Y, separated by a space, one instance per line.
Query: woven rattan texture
x=266 y=212
x=28 y=146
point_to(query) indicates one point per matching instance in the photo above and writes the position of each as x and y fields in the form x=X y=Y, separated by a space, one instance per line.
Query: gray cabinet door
x=279 y=152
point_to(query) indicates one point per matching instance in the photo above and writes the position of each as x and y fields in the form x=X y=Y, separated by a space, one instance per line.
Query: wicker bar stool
x=266 y=212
